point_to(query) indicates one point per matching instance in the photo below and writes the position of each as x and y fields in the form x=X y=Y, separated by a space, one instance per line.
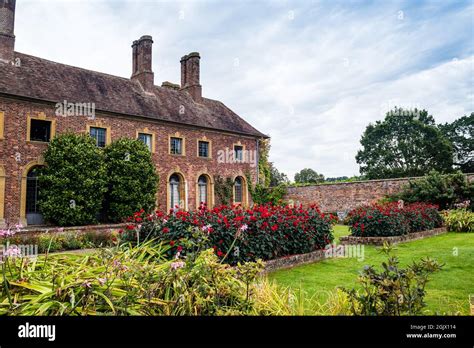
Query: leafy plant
x=223 y=189
x=131 y=177
x=459 y=220
x=392 y=219
x=262 y=232
x=73 y=182
x=393 y=291
x=443 y=190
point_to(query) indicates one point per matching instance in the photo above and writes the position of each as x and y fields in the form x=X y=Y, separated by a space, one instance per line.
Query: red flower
x=166 y=230
x=172 y=243
x=220 y=253
x=180 y=248
x=274 y=228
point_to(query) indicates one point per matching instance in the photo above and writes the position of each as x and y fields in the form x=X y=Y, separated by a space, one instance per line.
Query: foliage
x=56 y=241
x=263 y=195
x=73 y=182
x=132 y=179
x=264 y=166
x=392 y=219
x=277 y=178
x=136 y=281
x=459 y=220
x=406 y=143
x=461 y=134
x=443 y=190
x=394 y=291
x=308 y=175
x=262 y=232
x=223 y=190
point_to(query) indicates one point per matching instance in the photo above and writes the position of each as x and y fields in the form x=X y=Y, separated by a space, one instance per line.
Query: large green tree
x=132 y=179
x=406 y=143
x=277 y=177
x=73 y=181
x=461 y=134
x=308 y=175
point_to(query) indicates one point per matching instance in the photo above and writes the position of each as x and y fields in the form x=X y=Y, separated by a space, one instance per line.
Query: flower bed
x=236 y=234
x=393 y=219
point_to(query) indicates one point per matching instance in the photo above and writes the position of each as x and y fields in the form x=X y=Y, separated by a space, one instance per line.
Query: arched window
x=203 y=190
x=238 y=190
x=33 y=214
x=175 y=191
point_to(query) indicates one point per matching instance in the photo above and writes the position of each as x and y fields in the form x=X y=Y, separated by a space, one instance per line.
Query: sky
x=310 y=74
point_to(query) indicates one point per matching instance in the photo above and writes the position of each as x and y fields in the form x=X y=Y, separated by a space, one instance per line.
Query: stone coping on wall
x=294 y=260
x=56 y=229
x=350 y=240
x=470 y=176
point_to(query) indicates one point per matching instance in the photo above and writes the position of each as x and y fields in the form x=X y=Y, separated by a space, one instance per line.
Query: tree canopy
x=308 y=175
x=461 y=134
x=406 y=143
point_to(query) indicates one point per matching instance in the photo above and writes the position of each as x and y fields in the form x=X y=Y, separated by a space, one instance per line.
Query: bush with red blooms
x=392 y=219
x=236 y=234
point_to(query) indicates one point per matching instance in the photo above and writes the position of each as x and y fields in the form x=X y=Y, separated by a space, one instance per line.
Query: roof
x=54 y=82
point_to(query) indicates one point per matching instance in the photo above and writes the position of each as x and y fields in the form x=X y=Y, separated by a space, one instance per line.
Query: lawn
x=447 y=292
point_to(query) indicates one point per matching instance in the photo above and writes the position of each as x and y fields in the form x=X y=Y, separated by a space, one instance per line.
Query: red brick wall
x=190 y=165
x=345 y=196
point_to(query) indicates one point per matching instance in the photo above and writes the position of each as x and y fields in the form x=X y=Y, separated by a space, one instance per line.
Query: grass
x=447 y=292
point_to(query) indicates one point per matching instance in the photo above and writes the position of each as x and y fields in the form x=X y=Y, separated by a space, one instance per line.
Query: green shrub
x=237 y=235
x=459 y=220
x=264 y=195
x=444 y=190
x=393 y=290
x=132 y=179
x=390 y=219
x=73 y=182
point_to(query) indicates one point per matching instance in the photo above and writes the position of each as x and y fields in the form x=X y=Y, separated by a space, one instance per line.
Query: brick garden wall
x=346 y=196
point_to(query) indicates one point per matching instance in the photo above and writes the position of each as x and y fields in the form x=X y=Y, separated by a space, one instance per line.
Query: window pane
x=238 y=190
x=203 y=149
x=146 y=139
x=238 y=152
x=32 y=189
x=99 y=134
x=174 y=191
x=202 y=187
x=176 y=146
x=40 y=130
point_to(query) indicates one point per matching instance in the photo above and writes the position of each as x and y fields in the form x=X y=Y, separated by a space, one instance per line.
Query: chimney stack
x=190 y=76
x=7 y=24
x=141 y=70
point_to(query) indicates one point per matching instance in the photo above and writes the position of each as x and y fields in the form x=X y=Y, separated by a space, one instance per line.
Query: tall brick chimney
x=190 y=76
x=142 y=71
x=7 y=24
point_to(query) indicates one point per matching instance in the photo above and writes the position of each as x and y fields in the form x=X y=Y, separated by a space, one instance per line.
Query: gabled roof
x=54 y=82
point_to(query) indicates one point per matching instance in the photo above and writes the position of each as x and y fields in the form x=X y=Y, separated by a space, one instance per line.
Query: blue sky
x=311 y=74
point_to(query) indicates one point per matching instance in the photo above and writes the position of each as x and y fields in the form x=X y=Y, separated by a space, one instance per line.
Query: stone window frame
x=2 y=195
x=2 y=125
x=209 y=151
x=245 y=194
x=25 y=170
x=243 y=151
x=40 y=117
x=210 y=189
x=183 y=145
x=108 y=131
x=183 y=189
x=148 y=132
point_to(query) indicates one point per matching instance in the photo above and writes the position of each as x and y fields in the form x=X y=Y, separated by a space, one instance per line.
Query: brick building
x=185 y=132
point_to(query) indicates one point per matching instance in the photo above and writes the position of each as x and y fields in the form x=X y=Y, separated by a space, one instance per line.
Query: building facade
x=192 y=139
